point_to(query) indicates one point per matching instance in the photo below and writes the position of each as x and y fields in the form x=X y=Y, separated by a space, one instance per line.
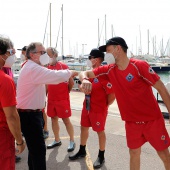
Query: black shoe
x=45 y=134
x=17 y=159
x=54 y=144
x=77 y=156
x=98 y=163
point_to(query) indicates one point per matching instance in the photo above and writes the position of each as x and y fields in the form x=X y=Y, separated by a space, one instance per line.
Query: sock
x=101 y=155
x=82 y=149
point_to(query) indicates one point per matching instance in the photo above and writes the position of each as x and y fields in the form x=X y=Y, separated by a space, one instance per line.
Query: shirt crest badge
x=129 y=77
x=151 y=71
x=95 y=80
x=109 y=85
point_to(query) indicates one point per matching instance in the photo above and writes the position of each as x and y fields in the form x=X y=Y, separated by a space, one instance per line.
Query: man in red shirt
x=58 y=103
x=9 y=119
x=95 y=109
x=23 y=55
x=132 y=81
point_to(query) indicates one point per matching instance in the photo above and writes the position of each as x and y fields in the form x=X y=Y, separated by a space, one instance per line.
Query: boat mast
x=140 y=41
x=62 y=51
x=50 y=24
x=98 y=34
x=148 y=42
x=46 y=27
x=105 y=30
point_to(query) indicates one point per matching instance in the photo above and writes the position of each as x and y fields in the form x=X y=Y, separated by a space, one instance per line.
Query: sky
x=24 y=21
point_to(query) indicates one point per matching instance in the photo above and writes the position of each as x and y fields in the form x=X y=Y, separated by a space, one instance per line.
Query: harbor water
x=165 y=78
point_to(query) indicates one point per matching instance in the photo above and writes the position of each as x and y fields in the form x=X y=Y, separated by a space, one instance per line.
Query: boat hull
x=161 y=68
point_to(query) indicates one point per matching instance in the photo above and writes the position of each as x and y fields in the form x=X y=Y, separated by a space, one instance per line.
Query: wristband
x=19 y=144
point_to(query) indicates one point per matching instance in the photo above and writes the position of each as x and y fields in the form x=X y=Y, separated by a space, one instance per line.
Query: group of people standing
x=41 y=76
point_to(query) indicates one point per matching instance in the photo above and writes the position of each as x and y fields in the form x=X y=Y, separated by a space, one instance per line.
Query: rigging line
x=101 y=32
x=46 y=25
x=166 y=47
x=58 y=33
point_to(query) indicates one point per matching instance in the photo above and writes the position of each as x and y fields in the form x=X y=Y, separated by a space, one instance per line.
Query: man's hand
x=86 y=86
x=20 y=148
x=74 y=73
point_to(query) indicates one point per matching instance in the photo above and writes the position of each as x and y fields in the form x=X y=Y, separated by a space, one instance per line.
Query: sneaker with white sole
x=54 y=144
x=71 y=146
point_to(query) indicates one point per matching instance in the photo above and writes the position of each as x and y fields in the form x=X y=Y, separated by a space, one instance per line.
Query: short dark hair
x=5 y=44
x=124 y=49
x=32 y=48
x=53 y=50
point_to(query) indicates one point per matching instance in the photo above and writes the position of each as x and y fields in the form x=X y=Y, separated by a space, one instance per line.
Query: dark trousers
x=32 y=128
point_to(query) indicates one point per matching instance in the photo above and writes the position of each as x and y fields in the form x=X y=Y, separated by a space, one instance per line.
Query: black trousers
x=32 y=128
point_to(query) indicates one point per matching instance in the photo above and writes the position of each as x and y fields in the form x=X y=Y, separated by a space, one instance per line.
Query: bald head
x=52 y=52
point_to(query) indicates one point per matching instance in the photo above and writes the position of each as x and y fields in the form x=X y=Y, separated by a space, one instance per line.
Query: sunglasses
x=11 y=51
x=41 y=52
x=91 y=57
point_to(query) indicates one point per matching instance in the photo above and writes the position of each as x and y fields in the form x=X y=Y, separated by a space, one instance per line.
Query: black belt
x=29 y=110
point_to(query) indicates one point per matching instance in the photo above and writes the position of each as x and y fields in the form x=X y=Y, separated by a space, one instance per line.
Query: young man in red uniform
x=23 y=55
x=95 y=112
x=9 y=119
x=132 y=81
x=58 y=104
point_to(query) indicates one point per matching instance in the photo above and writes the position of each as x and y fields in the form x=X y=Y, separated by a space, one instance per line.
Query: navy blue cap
x=114 y=41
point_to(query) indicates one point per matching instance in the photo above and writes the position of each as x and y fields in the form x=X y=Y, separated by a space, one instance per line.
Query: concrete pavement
x=116 y=154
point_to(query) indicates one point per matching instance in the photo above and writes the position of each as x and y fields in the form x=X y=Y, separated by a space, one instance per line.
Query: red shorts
x=7 y=150
x=60 y=109
x=95 y=120
x=154 y=132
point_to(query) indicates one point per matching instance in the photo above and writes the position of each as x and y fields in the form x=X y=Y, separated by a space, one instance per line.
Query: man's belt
x=29 y=110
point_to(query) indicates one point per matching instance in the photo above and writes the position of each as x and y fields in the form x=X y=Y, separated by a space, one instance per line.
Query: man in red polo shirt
x=58 y=104
x=23 y=55
x=95 y=109
x=132 y=81
x=9 y=118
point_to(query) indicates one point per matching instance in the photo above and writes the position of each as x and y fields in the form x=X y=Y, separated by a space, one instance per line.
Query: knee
x=101 y=134
x=66 y=121
x=164 y=155
x=84 y=129
x=135 y=152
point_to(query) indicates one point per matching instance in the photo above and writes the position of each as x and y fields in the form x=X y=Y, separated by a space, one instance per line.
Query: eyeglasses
x=11 y=51
x=41 y=52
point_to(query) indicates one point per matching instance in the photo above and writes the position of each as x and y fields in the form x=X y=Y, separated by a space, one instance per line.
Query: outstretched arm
x=86 y=85
x=160 y=87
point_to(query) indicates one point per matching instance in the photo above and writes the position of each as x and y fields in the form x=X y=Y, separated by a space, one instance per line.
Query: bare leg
x=56 y=128
x=135 y=158
x=69 y=128
x=102 y=140
x=165 y=157
x=84 y=135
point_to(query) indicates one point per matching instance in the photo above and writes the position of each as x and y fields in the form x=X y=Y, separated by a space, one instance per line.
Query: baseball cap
x=114 y=41
x=96 y=53
x=23 y=48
